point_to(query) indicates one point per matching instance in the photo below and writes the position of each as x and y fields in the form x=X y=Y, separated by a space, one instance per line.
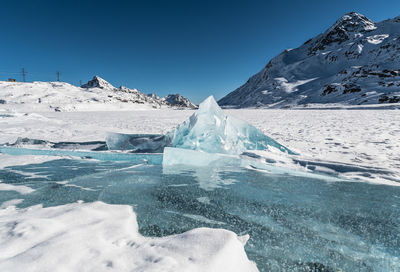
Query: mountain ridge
x=353 y=62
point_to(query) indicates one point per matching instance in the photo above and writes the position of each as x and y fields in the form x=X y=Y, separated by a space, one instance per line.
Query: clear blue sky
x=196 y=48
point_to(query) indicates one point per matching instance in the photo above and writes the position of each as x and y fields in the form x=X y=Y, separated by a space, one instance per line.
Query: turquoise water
x=294 y=223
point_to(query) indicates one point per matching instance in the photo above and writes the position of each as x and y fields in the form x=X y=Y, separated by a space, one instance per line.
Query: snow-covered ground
x=96 y=95
x=365 y=143
x=62 y=96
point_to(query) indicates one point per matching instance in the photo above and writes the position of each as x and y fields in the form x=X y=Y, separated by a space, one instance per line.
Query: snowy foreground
x=358 y=144
x=102 y=237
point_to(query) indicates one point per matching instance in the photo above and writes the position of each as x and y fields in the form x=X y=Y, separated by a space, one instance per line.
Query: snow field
x=365 y=143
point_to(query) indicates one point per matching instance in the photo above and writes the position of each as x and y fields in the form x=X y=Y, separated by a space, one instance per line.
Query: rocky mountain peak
x=354 y=22
x=179 y=101
x=98 y=82
x=349 y=26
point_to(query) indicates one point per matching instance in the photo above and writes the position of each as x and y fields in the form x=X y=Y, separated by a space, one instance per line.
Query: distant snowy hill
x=96 y=95
x=354 y=62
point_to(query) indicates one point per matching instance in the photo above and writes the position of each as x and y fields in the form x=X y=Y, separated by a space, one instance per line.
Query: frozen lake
x=294 y=223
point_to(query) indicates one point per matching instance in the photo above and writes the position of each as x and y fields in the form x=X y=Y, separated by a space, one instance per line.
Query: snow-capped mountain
x=179 y=101
x=96 y=95
x=354 y=62
x=98 y=82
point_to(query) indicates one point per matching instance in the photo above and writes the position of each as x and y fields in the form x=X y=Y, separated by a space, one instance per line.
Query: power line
x=23 y=74
x=38 y=75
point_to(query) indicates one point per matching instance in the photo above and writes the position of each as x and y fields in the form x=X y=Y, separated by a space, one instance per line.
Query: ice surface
x=294 y=223
x=140 y=143
x=210 y=130
x=181 y=156
x=205 y=165
x=97 y=155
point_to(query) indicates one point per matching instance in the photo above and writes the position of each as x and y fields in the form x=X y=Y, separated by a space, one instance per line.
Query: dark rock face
x=329 y=89
x=388 y=99
x=351 y=88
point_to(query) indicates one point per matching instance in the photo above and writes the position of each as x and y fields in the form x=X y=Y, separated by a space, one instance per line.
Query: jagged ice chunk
x=210 y=130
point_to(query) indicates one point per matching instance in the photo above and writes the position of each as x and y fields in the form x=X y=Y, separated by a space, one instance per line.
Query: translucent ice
x=138 y=143
x=207 y=130
x=210 y=130
x=180 y=156
x=97 y=155
x=204 y=163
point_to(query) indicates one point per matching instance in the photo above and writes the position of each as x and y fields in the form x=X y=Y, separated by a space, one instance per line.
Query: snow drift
x=101 y=237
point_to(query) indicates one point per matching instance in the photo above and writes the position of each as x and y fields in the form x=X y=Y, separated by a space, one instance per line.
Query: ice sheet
x=294 y=222
x=98 y=155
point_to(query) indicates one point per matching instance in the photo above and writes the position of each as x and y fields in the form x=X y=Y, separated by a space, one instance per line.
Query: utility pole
x=23 y=74
x=58 y=76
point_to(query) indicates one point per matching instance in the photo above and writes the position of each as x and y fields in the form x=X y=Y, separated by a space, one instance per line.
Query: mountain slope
x=354 y=62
